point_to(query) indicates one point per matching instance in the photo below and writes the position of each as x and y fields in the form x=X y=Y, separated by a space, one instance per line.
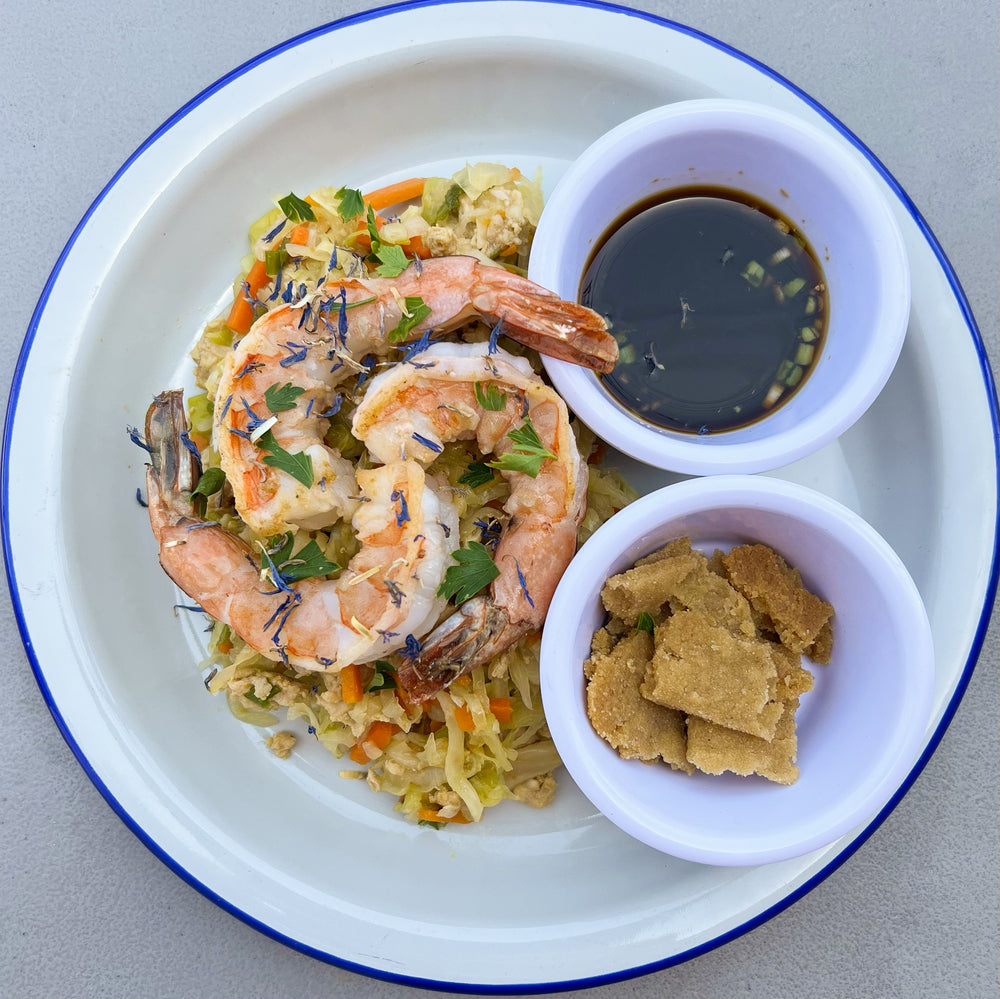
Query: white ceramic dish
x=119 y=674
x=821 y=185
x=859 y=729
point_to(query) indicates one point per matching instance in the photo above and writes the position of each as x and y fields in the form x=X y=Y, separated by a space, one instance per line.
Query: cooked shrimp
x=408 y=528
x=409 y=412
x=312 y=346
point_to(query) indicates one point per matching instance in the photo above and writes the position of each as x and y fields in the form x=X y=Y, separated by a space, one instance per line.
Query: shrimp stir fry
x=391 y=492
x=477 y=391
x=279 y=386
x=407 y=526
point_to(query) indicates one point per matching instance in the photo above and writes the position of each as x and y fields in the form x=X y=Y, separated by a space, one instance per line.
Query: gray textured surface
x=85 y=910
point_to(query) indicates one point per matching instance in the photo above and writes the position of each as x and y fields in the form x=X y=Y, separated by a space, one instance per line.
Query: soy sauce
x=718 y=304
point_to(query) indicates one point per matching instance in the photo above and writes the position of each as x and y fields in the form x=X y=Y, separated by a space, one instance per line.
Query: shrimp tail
x=540 y=319
x=175 y=467
x=477 y=632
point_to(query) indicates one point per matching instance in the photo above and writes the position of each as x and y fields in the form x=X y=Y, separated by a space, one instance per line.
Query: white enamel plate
x=527 y=899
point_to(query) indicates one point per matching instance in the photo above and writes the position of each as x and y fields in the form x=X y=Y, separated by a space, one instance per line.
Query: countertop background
x=86 y=910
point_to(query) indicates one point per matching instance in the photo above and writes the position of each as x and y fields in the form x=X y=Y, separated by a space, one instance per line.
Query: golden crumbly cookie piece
x=646 y=588
x=702 y=590
x=701 y=668
x=635 y=727
x=793 y=680
x=679 y=546
x=775 y=589
x=715 y=749
x=672 y=579
x=821 y=651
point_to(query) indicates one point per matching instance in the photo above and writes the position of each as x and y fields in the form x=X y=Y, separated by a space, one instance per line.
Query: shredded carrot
x=350 y=684
x=462 y=681
x=393 y=194
x=508 y=251
x=378 y=735
x=200 y=441
x=502 y=709
x=225 y=647
x=241 y=314
x=433 y=815
x=416 y=248
x=362 y=239
x=464 y=718
x=299 y=235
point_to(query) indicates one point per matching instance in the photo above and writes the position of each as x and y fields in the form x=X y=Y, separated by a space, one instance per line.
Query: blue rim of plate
x=532 y=987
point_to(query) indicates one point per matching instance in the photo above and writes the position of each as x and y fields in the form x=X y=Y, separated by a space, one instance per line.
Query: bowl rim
x=721 y=452
x=581 y=749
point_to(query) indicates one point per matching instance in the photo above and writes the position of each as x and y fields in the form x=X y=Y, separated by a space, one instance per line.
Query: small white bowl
x=815 y=179
x=860 y=728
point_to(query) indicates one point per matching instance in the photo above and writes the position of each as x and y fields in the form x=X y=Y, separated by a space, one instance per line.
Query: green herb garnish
x=274 y=260
x=477 y=475
x=384 y=677
x=279 y=398
x=645 y=622
x=528 y=453
x=211 y=481
x=307 y=562
x=264 y=702
x=490 y=397
x=393 y=260
x=475 y=570
x=414 y=311
x=299 y=466
x=351 y=203
x=295 y=209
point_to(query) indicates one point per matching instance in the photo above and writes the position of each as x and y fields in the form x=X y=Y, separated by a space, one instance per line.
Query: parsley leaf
x=307 y=562
x=351 y=204
x=645 y=622
x=477 y=475
x=393 y=259
x=295 y=209
x=372 y=228
x=414 y=312
x=299 y=465
x=527 y=454
x=281 y=397
x=475 y=570
x=384 y=677
x=211 y=481
x=490 y=397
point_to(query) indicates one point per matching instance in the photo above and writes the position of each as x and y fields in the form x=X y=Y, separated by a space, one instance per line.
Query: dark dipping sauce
x=718 y=304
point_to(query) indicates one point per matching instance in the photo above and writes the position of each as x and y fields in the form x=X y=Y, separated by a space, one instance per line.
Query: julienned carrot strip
x=350 y=684
x=380 y=732
x=393 y=194
x=416 y=248
x=378 y=735
x=433 y=815
x=299 y=235
x=502 y=709
x=464 y=718
x=241 y=314
x=499 y=706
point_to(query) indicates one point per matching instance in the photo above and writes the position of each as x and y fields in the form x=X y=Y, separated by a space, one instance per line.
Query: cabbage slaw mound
x=484 y=739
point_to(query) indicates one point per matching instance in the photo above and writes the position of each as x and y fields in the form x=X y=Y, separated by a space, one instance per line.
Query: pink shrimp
x=278 y=387
x=475 y=391
x=408 y=528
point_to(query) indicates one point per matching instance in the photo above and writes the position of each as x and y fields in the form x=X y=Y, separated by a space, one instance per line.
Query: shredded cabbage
x=438 y=766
